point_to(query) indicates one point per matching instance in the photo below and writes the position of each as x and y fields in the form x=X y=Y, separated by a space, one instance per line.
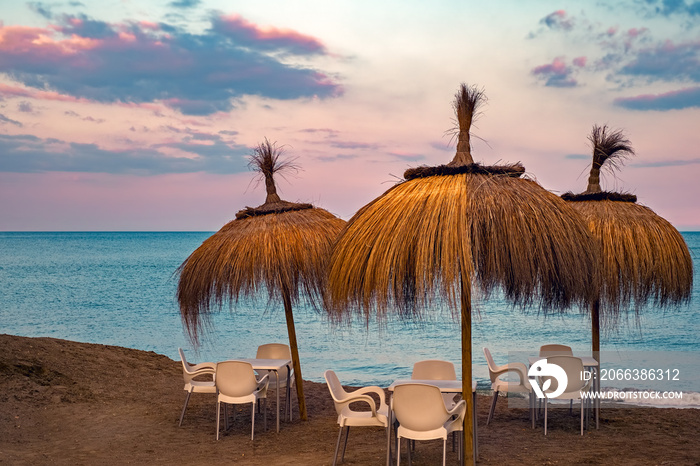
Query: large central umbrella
x=643 y=257
x=449 y=226
x=279 y=247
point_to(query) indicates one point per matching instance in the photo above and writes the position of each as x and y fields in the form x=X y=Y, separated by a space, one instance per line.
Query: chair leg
x=345 y=445
x=388 y=443
x=187 y=400
x=398 y=451
x=265 y=413
x=337 y=445
x=545 y=416
x=252 y=427
x=493 y=407
x=444 y=451
x=218 y=418
x=581 y=416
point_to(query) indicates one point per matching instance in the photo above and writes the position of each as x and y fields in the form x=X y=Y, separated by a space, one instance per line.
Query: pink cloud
x=635 y=32
x=558 y=20
x=556 y=74
x=556 y=67
x=15 y=91
x=673 y=100
x=242 y=29
x=580 y=61
x=82 y=58
x=38 y=47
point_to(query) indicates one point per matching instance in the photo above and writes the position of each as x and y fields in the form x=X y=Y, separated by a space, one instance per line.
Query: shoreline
x=66 y=402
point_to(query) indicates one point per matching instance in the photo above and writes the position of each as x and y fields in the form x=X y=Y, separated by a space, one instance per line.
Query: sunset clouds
x=142 y=114
x=627 y=57
x=141 y=62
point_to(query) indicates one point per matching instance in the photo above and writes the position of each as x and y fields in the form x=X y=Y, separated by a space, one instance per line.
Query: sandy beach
x=64 y=402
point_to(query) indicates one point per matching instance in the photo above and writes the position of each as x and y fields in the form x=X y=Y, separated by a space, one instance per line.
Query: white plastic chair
x=348 y=417
x=422 y=415
x=555 y=350
x=189 y=372
x=278 y=351
x=575 y=385
x=509 y=386
x=236 y=384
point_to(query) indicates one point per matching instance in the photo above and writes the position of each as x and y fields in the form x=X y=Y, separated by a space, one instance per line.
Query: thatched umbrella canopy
x=449 y=226
x=279 y=247
x=644 y=259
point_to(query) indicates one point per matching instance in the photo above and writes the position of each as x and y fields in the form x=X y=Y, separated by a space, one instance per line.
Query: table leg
x=289 y=393
x=277 y=377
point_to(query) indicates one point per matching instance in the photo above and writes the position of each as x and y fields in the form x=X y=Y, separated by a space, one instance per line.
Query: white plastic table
x=274 y=365
x=445 y=386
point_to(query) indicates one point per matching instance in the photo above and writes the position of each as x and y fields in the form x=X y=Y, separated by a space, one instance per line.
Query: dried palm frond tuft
x=610 y=147
x=265 y=159
x=467 y=102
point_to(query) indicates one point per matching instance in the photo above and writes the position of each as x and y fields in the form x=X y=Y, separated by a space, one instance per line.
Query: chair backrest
x=235 y=378
x=274 y=351
x=492 y=365
x=419 y=407
x=434 y=369
x=337 y=392
x=555 y=350
x=574 y=373
x=186 y=367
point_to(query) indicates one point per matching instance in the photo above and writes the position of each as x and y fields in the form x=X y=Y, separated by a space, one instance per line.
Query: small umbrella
x=279 y=247
x=449 y=226
x=643 y=257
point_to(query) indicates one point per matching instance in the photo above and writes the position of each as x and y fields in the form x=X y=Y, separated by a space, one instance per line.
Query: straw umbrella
x=446 y=227
x=279 y=247
x=643 y=257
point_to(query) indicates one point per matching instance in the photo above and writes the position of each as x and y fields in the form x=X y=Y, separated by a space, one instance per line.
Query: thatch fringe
x=421 y=236
x=514 y=170
x=599 y=196
x=253 y=255
x=644 y=259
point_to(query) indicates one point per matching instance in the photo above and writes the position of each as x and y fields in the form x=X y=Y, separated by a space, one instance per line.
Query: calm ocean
x=119 y=289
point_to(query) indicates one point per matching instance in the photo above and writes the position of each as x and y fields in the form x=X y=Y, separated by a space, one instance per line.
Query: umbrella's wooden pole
x=595 y=329
x=295 y=353
x=468 y=445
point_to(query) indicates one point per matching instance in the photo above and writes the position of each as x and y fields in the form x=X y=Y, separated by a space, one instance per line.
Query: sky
x=120 y=115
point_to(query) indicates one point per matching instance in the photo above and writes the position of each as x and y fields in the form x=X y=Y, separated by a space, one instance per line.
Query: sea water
x=118 y=288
